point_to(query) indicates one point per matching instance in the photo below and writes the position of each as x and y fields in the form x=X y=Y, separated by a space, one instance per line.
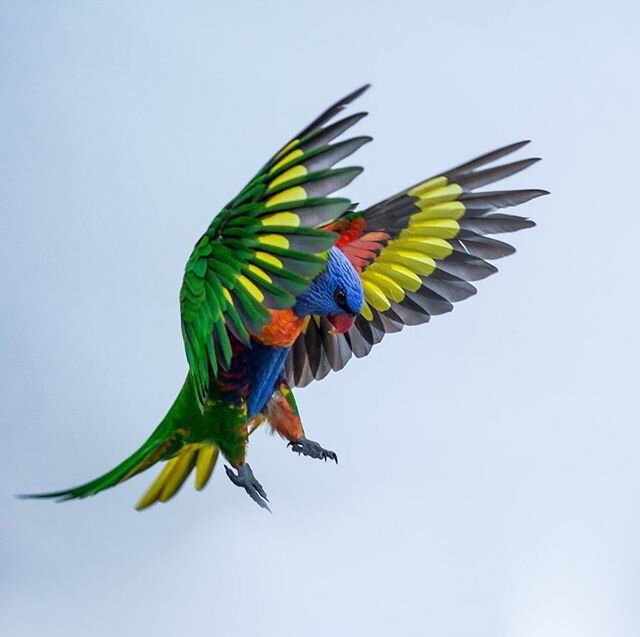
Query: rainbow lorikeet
x=287 y=283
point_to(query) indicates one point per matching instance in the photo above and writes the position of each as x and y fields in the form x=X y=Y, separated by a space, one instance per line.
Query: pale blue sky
x=489 y=479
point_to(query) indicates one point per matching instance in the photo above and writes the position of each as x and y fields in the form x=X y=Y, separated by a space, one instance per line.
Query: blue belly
x=265 y=366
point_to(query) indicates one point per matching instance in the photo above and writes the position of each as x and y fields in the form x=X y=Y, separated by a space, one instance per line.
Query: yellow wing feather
x=413 y=254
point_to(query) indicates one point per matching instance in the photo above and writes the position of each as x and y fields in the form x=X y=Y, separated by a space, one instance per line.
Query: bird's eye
x=340 y=299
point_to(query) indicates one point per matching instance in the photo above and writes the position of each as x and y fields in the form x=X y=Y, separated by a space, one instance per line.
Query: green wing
x=265 y=247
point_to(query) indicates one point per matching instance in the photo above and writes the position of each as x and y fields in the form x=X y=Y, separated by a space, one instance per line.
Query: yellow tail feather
x=205 y=463
x=202 y=456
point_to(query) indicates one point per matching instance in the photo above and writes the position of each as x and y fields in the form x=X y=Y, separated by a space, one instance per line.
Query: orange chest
x=283 y=330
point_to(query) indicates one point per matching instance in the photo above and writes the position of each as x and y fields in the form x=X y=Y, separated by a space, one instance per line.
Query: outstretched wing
x=266 y=246
x=416 y=253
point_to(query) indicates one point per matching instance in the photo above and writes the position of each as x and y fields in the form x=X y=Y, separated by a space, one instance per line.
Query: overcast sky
x=489 y=480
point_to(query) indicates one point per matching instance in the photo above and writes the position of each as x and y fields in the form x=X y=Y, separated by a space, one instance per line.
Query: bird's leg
x=282 y=413
x=231 y=437
x=244 y=478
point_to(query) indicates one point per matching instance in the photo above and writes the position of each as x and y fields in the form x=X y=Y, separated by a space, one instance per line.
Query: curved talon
x=245 y=479
x=312 y=449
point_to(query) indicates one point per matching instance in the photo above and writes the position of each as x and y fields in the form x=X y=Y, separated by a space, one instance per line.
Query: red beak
x=341 y=323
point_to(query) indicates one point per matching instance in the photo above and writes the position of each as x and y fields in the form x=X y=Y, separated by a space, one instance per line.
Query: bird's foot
x=245 y=479
x=312 y=449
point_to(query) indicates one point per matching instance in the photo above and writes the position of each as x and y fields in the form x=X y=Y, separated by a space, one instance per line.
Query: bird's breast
x=284 y=329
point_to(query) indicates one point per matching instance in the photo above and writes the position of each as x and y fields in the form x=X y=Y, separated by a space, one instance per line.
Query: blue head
x=335 y=293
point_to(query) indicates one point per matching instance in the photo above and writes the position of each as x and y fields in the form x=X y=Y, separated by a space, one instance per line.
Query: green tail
x=170 y=440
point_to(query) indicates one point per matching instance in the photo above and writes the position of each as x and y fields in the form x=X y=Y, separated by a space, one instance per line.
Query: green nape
x=165 y=442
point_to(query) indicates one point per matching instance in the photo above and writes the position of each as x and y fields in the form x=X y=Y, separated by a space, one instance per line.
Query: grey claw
x=245 y=479
x=232 y=476
x=312 y=449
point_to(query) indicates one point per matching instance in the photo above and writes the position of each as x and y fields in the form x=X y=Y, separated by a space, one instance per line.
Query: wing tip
x=357 y=93
x=534 y=193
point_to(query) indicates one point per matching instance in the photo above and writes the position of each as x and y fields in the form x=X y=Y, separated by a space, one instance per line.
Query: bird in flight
x=289 y=283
